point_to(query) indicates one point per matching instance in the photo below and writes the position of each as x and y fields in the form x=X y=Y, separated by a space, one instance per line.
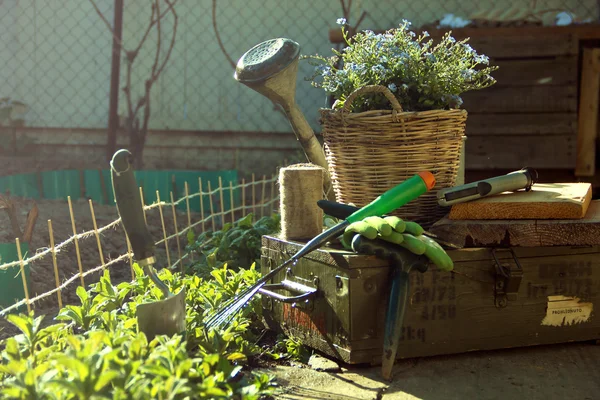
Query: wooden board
x=588 y=113
x=511 y=42
x=524 y=46
x=543 y=201
x=554 y=71
x=576 y=31
x=522 y=233
x=506 y=152
x=534 y=99
x=582 y=31
x=522 y=124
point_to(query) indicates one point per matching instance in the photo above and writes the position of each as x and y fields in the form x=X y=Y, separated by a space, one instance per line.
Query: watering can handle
x=129 y=206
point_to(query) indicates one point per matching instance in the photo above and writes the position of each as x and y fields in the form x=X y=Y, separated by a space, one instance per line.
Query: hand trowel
x=167 y=316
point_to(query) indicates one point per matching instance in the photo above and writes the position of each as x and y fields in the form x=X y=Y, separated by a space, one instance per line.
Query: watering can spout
x=270 y=68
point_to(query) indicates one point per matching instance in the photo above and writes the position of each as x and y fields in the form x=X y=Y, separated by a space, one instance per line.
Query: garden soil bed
x=113 y=244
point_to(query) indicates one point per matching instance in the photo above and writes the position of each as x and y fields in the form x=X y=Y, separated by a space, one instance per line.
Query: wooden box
x=551 y=296
x=530 y=116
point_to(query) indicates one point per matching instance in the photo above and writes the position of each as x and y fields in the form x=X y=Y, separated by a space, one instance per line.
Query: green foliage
x=96 y=351
x=289 y=348
x=421 y=75
x=236 y=245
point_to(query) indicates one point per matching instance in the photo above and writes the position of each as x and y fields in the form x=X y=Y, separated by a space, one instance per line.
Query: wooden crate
x=448 y=312
x=529 y=117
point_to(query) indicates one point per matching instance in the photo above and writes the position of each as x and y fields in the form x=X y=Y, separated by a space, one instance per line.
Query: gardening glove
x=406 y=234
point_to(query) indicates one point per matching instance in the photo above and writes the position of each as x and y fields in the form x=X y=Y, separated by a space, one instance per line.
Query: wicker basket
x=370 y=152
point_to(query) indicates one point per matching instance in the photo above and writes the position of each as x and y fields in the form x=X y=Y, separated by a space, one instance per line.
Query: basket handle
x=373 y=89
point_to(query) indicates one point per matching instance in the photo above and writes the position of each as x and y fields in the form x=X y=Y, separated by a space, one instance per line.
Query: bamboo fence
x=261 y=200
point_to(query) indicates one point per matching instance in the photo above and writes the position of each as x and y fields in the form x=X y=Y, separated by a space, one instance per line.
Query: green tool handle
x=129 y=205
x=387 y=202
x=396 y=197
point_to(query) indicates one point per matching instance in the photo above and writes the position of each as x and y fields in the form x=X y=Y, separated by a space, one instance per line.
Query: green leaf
x=74 y=365
x=105 y=378
x=82 y=294
x=157 y=370
x=237 y=357
x=245 y=222
x=70 y=386
x=12 y=349
x=129 y=323
x=191 y=236
x=23 y=322
x=71 y=313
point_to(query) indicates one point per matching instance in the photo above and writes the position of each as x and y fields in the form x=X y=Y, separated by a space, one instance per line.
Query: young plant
x=237 y=245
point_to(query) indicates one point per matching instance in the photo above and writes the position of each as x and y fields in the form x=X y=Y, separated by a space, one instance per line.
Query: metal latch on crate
x=507 y=279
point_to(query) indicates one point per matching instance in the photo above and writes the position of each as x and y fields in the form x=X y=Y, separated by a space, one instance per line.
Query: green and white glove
x=406 y=234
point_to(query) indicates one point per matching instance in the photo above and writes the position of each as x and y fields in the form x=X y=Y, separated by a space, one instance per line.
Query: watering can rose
x=422 y=75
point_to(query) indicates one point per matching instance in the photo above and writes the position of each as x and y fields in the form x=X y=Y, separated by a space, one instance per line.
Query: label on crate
x=566 y=310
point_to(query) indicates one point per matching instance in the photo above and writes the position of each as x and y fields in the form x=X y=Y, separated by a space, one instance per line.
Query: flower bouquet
x=396 y=112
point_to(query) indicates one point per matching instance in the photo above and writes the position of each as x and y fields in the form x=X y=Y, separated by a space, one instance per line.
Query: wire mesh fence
x=58 y=53
x=50 y=274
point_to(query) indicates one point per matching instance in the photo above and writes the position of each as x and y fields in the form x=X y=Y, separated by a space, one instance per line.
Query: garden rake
x=165 y=317
x=389 y=201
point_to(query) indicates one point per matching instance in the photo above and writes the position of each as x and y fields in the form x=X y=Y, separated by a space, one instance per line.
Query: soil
x=562 y=371
x=113 y=243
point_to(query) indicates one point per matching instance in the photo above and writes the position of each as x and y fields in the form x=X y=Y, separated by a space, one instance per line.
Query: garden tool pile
x=335 y=311
x=385 y=203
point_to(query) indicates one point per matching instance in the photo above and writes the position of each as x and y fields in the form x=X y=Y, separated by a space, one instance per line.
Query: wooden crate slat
x=526 y=233
x=520 y=100
x=500 y=151
x=588 y=113
x=556 y=71
x=522 y=124
x=527 y=45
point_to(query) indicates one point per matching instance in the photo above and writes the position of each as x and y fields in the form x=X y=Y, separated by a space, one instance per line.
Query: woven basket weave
x=372 y=151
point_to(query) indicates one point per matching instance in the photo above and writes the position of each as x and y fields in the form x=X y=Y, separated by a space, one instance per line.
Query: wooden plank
x=523 y=233
x=521 y=46
x=500 y=152
x=522 y=124
x=577 y=31
x=543 y=201
x=555 y=71
x=531 y=99
x=588 y=113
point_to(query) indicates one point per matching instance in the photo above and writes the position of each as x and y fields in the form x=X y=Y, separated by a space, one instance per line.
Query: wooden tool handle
x=129 y=205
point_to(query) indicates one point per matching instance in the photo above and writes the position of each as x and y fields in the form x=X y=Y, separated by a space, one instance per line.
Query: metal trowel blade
x=164 y=317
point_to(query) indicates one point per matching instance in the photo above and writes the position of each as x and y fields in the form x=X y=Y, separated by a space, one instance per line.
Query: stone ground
x=565 y=371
